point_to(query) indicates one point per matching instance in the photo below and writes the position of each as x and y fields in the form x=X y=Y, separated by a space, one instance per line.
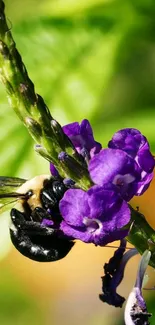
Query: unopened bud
x=42 y=152
x=69 y=182
x=34 y=128
x=73 y=169
x=64 y=142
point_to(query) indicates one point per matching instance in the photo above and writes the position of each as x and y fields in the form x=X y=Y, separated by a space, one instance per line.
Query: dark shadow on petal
x=114 y=272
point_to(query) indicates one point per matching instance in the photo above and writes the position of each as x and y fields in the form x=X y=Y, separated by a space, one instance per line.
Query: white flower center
x=93 y=225
x=120 y=180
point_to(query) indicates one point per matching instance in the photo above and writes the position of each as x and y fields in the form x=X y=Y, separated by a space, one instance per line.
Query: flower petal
x=76 y=232
x=53 y=170
x=105 y=165
x=74 y=206
x=82 y=138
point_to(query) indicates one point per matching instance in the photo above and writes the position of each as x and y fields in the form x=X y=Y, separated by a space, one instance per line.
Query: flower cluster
x=124 y=169
x=101 y=214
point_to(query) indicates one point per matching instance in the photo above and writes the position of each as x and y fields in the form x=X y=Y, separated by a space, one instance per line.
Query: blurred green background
x=91 y=59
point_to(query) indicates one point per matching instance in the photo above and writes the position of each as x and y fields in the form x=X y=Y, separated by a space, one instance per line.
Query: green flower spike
x=32 y=110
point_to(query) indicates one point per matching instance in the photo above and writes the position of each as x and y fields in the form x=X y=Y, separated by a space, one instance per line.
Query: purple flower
x=82 y=138
x=136 y=310
x=135 y=145
x=117 y=167
x=96 y=216
x=81 y=135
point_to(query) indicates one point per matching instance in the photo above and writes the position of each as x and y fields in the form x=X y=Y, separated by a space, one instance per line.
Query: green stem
x=32 y=110
x=141 y=235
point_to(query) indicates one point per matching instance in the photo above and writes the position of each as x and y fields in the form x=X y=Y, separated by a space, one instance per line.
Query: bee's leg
x=38 y=214
x=29 y=227
x=17 y=217
x=36 y=242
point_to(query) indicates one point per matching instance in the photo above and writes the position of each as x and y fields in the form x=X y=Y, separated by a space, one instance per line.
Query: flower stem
x=141 y=235
x=32 y=110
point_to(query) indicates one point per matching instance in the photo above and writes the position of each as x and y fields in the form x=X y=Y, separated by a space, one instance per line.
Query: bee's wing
x=10 y=184
x=8 y=194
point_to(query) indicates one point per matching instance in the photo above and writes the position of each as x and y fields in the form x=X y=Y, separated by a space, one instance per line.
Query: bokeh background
x=91 y=59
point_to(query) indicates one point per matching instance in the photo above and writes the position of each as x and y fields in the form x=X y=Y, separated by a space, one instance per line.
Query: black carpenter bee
x=38 y=200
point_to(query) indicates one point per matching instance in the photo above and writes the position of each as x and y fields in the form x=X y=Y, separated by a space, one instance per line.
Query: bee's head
x=52 y=192
x=32 y=189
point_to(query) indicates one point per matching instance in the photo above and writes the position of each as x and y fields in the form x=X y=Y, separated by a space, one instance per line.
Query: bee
x=34 y=228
